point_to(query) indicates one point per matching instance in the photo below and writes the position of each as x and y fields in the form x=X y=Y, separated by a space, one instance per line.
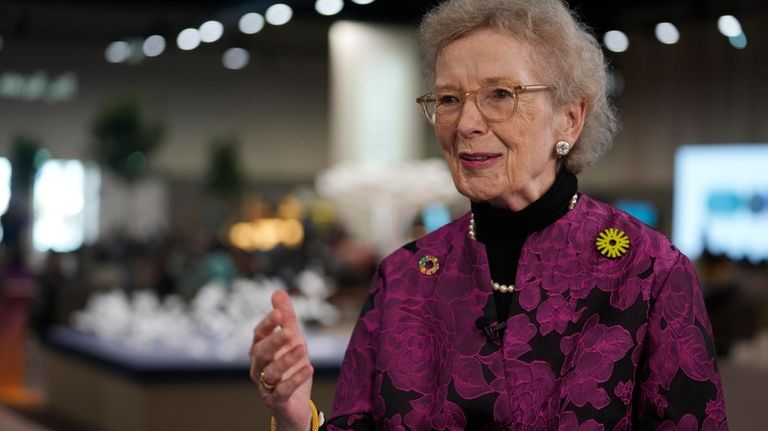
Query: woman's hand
x=280 y=365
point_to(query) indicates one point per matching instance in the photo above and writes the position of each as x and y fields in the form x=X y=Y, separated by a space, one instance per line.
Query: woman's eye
x=447 y=99
x=501 y=93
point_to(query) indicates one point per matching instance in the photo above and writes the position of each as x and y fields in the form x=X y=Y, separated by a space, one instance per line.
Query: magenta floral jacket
x=592 y=343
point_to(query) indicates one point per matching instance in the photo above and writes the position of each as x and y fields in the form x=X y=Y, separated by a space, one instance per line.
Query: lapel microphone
x=493 y=330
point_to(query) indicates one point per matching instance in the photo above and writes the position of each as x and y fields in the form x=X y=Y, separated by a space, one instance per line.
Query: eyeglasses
x=495 y=103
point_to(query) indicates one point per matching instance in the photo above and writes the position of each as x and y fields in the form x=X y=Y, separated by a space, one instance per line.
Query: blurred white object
x=313 y=305
x=216 y=325
x=753 y=352
x=378 y=203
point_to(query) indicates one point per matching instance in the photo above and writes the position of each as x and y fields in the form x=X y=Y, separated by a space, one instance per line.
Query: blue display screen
x=721 y=201
x=644 y=211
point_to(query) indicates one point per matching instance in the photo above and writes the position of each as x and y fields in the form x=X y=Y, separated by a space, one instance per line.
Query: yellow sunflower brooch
x=612 y=243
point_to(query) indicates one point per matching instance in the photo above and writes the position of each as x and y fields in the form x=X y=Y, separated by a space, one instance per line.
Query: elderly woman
x=541 y=309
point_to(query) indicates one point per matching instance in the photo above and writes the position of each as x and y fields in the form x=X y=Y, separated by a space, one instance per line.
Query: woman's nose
x=471 y=121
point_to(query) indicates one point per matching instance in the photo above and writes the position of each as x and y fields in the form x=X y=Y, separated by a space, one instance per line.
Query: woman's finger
x=275 y=370
x=282 y=302
x=267 y=325
x=266 y=350
x=285 y=388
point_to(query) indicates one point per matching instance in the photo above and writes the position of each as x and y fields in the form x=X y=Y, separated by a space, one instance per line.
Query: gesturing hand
x=280 y=365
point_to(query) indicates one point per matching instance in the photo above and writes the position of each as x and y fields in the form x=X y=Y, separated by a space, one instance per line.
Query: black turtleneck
x=503 y=232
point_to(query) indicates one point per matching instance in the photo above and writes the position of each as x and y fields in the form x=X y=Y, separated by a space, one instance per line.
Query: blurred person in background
x=541 y=308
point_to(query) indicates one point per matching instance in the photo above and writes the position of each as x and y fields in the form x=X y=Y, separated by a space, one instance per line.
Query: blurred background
x=165 y=165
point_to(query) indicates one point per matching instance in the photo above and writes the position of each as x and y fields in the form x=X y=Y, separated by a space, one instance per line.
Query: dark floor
x=35 y=418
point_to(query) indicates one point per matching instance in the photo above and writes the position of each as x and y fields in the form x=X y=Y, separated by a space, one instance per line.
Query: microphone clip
x=494 y=331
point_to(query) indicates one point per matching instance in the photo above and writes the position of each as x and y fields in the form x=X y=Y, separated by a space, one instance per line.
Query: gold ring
x=268 y=386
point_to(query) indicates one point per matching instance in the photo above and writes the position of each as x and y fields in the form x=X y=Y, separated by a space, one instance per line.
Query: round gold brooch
x=429 y=265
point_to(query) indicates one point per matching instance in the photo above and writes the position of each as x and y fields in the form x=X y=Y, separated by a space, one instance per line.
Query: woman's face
x=508 y=163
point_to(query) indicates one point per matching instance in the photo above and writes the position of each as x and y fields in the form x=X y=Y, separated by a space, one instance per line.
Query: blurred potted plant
x=124 y=139
x=225 y=179
x=224 y=183
x=27 y=156
x=123 y=142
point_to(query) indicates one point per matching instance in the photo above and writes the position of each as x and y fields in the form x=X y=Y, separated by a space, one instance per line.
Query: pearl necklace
x=504 y=288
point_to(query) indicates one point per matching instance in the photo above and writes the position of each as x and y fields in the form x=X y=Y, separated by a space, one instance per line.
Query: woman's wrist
x=315 y=420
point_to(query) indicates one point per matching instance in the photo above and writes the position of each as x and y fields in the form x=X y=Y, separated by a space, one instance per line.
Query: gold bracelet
x=315 y=416
x=315 y=424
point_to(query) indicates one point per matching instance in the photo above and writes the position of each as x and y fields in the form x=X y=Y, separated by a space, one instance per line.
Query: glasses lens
x=429 y=108
x=447 y=108
x=497 y=102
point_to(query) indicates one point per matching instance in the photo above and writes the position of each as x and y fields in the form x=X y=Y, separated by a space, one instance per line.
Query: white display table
x=102 y=385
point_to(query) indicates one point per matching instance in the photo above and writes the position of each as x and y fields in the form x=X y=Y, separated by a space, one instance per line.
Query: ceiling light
x=188 y=39
x=616 y=41
x=279 y=14
x=738 y=42
x=235 y=58
x=154 y=45
x=211 y=31
x=251 y=23
x=362 y=1
x=667 y=33
x=729 y=26
x=117 y=52
x=329 y=7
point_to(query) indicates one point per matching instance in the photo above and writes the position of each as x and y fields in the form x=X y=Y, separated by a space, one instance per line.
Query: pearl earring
x=562 y=148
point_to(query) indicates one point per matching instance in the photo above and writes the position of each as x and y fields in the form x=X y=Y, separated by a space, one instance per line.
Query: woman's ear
x=572 y=116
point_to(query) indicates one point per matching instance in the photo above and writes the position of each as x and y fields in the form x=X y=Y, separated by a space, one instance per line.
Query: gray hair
x=569 y=57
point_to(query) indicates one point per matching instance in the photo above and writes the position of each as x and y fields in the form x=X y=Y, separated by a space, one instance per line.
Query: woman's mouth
x=478 y=160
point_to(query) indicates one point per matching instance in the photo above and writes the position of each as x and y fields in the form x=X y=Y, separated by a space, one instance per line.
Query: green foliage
x=124 y=139
x=27 y=156
x=224 y=175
